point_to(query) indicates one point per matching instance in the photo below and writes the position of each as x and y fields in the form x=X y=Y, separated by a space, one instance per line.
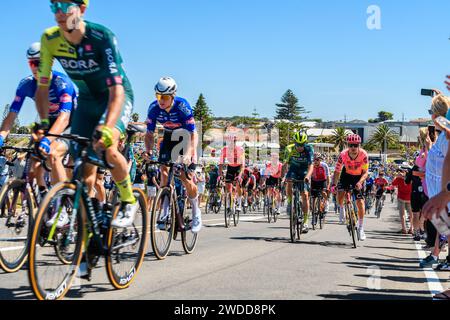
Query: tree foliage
x=203 y=115
x=339 y=138
x=289 y=108
x=383 y=135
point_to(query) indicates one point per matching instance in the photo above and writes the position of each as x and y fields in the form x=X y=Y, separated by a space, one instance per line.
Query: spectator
x=201 y=183
x=404 y=200
x=434 y=170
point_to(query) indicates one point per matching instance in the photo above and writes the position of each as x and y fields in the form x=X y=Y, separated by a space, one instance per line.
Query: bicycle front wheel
x=228 y=210
x=16 y=223
x=351 y=224
x=126 y=246
x=188 y=238
x=162 y=225
x=50 y=277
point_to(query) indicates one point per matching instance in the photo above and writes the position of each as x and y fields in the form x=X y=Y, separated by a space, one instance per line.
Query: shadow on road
x=360 y=293
x=22 y=293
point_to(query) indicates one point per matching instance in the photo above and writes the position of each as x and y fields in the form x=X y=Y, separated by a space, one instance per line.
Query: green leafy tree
x=339 y=138
x=286 y=132
x=135 y=117
x=203 y=115
x=383 y=137
x=385 y=116
x=289 y=108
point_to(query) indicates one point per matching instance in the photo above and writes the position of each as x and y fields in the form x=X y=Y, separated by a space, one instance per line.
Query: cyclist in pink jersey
x=352 y=170
x=272 y=175
x=234 y=158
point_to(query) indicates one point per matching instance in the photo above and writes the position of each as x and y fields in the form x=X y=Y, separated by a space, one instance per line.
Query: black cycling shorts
x=348 y=182
x=273 y=182
x=232 y=173
x=167 y=146
x=317 y=187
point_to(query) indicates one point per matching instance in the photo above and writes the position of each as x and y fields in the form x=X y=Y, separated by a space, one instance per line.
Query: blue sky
x=243 y=54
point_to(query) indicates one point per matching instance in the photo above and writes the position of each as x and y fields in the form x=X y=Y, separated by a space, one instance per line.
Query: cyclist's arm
x=116 y=100
x=149 y=142
x=8 y=124
x=310 y=171
x=60 y=125
x=364 y=176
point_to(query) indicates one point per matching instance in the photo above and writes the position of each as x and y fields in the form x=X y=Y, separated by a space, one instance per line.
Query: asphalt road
x=256 y=261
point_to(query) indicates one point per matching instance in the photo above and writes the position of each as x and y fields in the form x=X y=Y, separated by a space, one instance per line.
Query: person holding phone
x=434 y=168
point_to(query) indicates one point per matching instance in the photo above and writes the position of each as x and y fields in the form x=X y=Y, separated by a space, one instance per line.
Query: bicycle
x=214 y=202
x=88 y=234
x=369 y=202
x=379 y=205
x=269 y=203
x=230 y=206
x=351 y=216
x=296 y=220
x=165 y=225
x=19 y=199
x=317 y=209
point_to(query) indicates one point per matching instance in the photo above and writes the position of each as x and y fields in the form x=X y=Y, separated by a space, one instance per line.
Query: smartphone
x=443 y=122
x=427 y=92
x=432 y=133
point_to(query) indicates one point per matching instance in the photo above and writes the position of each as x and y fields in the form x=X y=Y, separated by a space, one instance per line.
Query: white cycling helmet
x=34 y=52
x=166 y=86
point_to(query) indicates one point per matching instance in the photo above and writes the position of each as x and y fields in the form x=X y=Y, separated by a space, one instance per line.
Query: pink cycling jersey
x=354 y=167
x=235 y=158
x=275 y=171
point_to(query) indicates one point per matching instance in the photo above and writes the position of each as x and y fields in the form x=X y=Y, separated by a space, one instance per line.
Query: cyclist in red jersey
x=352 y=170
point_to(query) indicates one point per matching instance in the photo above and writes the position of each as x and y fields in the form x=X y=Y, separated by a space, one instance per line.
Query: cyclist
x=273 y=172
x=380 y=184
x=352 y=170
x=175 y=115
x=61 y=101
x=249 y=184
x=234 y=156
x=88 y=53
x=299 y=165
x=152 y=183
x=369 y=185
x=320 y=179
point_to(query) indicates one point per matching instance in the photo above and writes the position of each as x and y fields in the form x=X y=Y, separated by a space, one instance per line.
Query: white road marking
x=243 y=219
x=433 y=281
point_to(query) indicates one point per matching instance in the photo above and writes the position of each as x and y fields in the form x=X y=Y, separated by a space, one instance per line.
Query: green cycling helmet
x=300 y=137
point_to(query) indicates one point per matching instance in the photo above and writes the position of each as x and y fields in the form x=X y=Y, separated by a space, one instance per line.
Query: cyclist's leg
x=59 y=151
x=100 y=187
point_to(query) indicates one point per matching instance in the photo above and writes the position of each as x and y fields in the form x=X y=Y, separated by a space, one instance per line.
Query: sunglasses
x=165 y=98
x=34 y=63
x=63 y=6
x=430 y=112
x=299 y=145
x=353 y=145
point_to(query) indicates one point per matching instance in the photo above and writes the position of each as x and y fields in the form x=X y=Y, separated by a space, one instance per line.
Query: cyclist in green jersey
x=299 y=163
x=88 y=53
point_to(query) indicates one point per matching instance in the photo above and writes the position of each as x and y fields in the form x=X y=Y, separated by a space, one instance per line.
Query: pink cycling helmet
x=354 y=139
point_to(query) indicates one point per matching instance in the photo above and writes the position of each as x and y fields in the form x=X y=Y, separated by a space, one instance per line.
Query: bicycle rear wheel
x=162 y=228
x=126 y=246
x=50 y=277
x=16 y=225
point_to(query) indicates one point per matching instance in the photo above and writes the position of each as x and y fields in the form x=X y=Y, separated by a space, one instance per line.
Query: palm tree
x=383 y=137
x=339 y=138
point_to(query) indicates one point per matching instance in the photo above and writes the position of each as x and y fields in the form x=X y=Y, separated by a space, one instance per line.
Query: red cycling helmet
x=354 y=139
